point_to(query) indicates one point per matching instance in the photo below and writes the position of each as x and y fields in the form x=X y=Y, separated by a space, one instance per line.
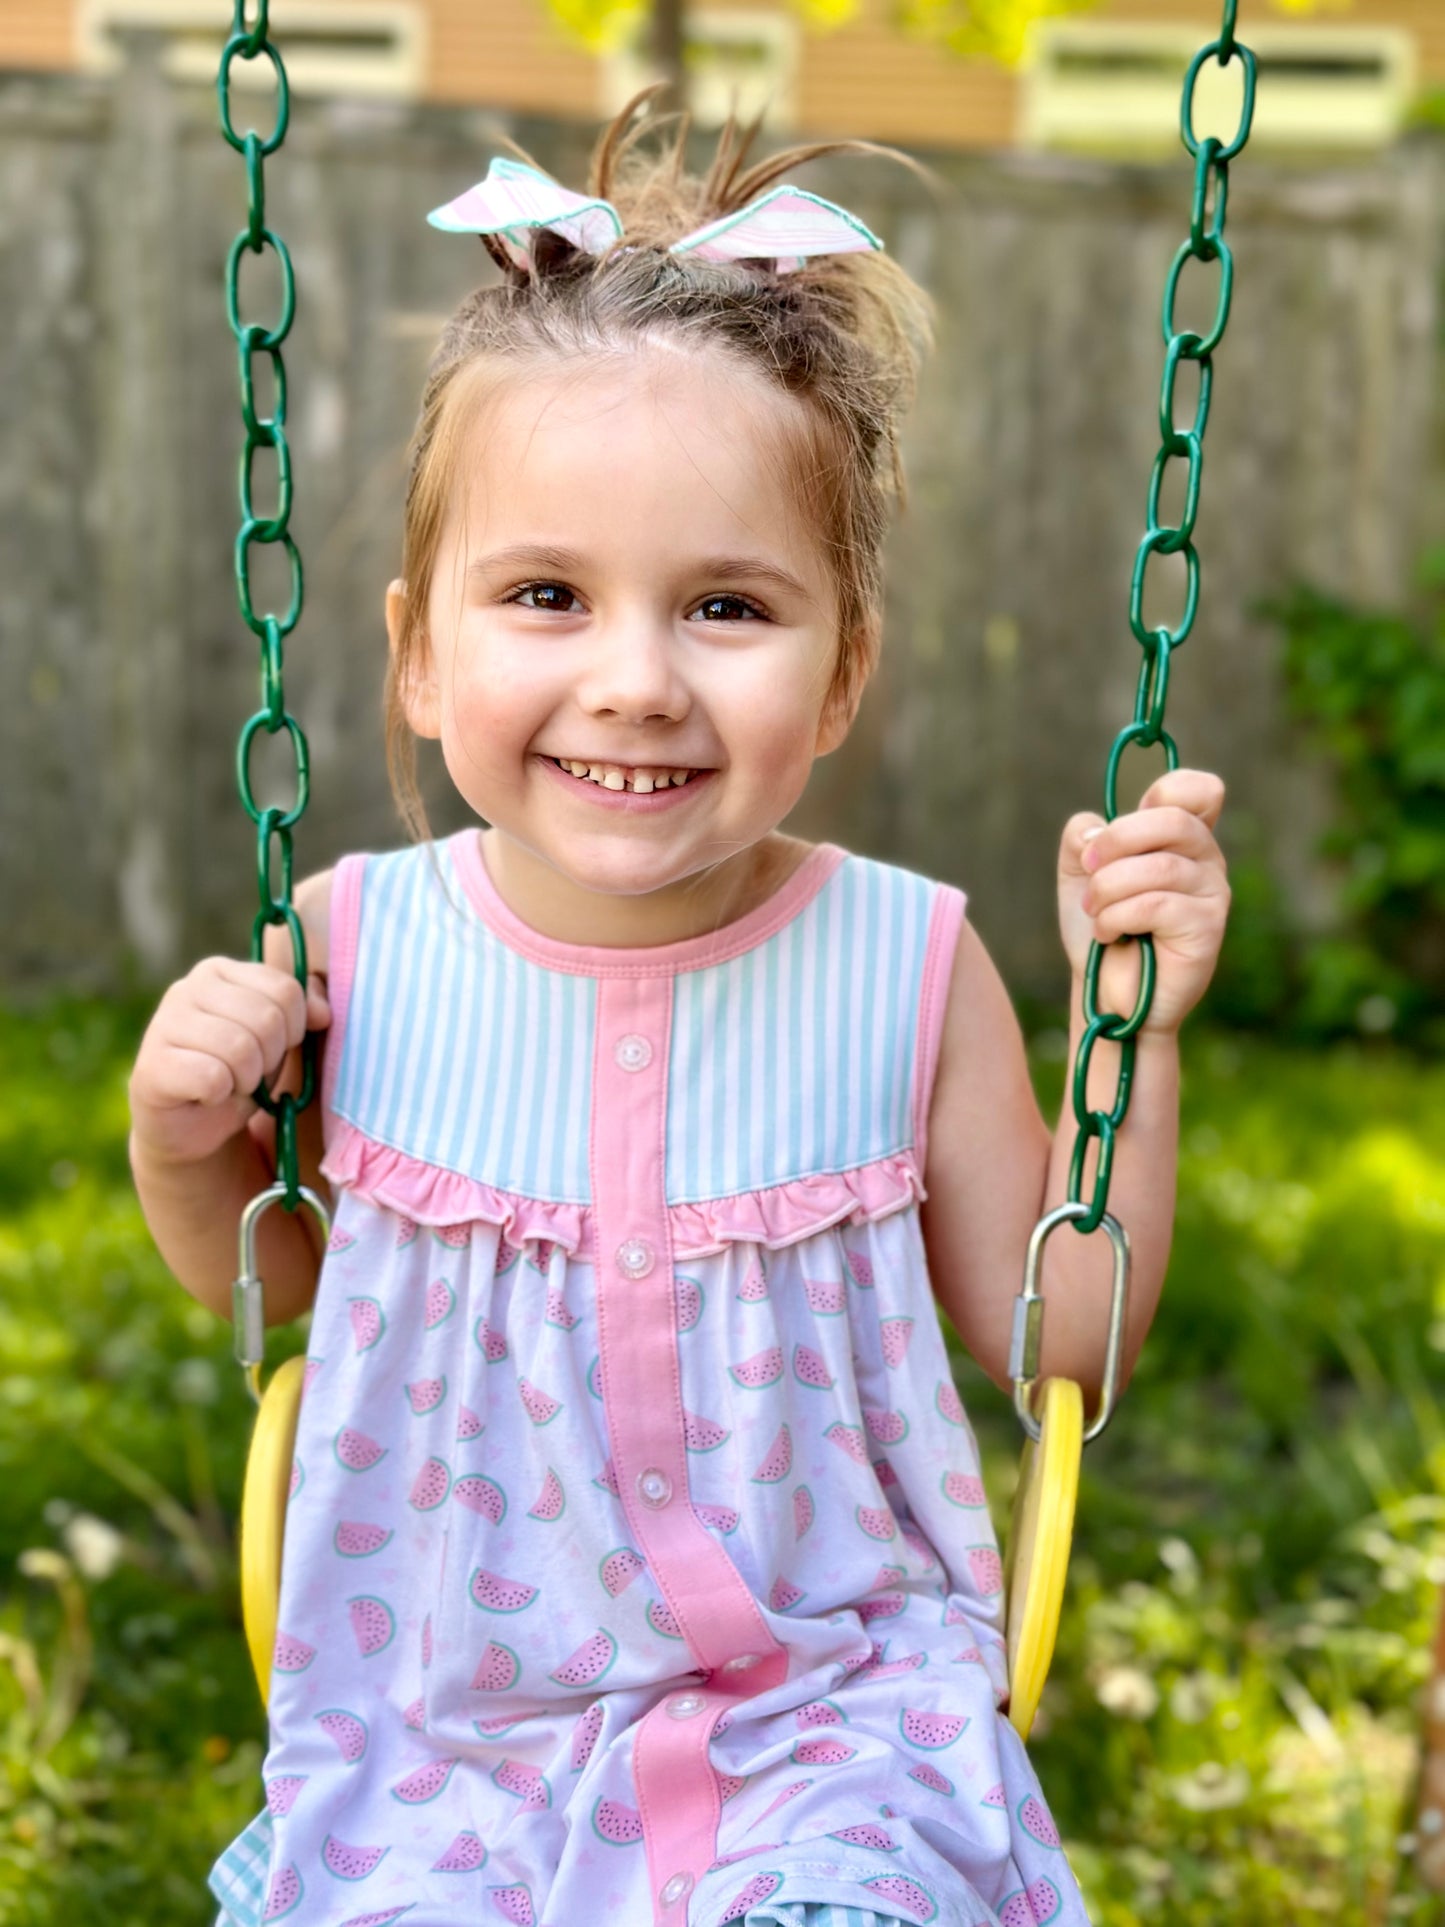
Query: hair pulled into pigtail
x=843 y=332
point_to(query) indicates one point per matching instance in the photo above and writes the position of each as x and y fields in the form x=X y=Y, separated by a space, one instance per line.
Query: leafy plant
x=131 y=1735
x=1369 y=688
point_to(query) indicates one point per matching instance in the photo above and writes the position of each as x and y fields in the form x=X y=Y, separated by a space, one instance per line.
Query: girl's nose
x=633 y=673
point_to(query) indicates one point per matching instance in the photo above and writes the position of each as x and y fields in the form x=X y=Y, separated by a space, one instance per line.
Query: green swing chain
x=273 y=826
x=1206 y=244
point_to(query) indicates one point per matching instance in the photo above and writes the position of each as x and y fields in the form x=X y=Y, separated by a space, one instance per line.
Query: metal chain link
x=1206 y=244
x=253 y=339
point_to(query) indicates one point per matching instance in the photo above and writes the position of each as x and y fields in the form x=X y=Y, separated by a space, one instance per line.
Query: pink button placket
x=679 y=1796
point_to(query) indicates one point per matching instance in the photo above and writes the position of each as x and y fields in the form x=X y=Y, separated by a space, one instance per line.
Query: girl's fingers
x=193 y=1076
x=1165 y=914
x=301 y=1011
x=273 y=1012
x=1160 y=870
x=1165 y=828
x=279 y=981
x=233 y=1050
x=1199 y=791
x=1076 y=839
x=220 y=1032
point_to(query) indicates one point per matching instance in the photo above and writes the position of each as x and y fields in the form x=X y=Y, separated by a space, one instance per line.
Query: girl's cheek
x=784 y=710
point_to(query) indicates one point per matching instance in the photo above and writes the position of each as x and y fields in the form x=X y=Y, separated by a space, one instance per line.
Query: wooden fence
x=1008 y=665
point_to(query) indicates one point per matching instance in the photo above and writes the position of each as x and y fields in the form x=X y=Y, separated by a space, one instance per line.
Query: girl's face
x=623 y=583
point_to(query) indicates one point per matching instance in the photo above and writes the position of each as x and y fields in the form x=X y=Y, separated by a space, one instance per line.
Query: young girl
x=637 y=1565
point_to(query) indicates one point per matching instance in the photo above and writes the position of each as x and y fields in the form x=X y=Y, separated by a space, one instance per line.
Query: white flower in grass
x=1127 y=1692
x=1192 y=1697
x=195 y=1382
x=95 y=1546
x=1211 y=1786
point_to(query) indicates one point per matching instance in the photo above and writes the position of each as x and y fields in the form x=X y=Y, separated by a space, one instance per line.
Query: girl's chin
x=625 y=873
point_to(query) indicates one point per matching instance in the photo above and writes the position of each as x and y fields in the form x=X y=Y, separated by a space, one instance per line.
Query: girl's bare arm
x=200 y=1149
x=993 y=1170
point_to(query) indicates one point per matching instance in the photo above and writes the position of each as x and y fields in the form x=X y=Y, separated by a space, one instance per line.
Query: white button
x=632 y=1052
x=679 y=1884
x=743 y=1663
x=634 y=1256
x=655 y=1487
x=685 y=1705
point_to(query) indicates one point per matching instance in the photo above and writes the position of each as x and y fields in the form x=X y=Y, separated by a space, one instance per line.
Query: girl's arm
x=993 y=1169
x=199 y=1152
x=194 y=1211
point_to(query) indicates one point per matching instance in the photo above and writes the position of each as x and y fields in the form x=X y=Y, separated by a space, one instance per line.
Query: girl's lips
x=627 y=799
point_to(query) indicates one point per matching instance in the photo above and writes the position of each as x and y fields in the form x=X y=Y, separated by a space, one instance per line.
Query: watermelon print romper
x=637 y=1568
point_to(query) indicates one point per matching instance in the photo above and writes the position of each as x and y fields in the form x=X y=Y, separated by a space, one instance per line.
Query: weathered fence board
x=1008 y=665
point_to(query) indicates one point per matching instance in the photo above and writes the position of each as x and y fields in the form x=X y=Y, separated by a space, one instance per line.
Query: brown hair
x=844 y=333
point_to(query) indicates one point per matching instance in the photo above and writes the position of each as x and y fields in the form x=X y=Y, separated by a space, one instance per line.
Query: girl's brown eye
x=731 y=605
x=554 y=595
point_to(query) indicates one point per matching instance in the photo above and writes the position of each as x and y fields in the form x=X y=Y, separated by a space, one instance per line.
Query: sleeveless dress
x=637 y=1567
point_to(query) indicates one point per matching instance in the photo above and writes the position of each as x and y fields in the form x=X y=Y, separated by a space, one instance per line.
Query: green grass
x=1228 y=1733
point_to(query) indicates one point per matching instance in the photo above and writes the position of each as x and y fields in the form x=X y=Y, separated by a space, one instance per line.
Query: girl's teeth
x=613 y=776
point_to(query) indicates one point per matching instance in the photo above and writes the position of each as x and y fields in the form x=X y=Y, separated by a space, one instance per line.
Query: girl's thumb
x=1079 y=831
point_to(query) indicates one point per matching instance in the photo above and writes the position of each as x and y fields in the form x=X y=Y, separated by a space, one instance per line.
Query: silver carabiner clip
x=1028 y=1327
x=248 y=1309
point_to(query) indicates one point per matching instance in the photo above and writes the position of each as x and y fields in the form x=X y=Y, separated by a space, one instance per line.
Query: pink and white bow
x=784 y=225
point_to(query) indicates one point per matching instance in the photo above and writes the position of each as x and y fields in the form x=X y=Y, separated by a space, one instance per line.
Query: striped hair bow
x=784 y=225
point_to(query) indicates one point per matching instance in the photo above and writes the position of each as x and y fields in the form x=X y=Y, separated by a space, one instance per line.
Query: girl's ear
x=840 y=708
x=416 y=683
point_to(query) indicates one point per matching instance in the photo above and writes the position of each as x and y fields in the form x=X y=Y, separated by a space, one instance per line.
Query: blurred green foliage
x=131 y=1729
x=1228 y=1732
x=1367 y=689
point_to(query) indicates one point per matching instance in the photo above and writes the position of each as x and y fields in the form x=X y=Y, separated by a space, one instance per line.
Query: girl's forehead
x=666 y=376
x=680 y=433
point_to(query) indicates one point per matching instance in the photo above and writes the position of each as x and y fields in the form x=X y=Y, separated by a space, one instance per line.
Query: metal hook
x=248 y=1310
x=1028 y=1327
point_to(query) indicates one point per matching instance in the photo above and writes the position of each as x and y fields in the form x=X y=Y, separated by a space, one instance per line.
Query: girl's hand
x=216 y=1035
x=1158 y=872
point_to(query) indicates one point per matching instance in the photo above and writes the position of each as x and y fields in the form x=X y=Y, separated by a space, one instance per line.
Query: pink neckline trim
x=602 y=960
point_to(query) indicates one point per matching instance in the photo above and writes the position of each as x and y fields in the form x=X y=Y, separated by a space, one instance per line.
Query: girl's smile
x=615 y=788
x=626 y=593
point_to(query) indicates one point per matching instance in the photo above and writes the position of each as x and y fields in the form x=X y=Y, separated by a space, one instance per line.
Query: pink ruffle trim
x=429 y=1195
x=780 y=1215
x=784 y=1213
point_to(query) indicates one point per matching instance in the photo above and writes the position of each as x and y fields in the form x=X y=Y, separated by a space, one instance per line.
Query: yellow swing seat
x=263 y=1513
x=1040 y=1535
x=273 y=1442
x=1035 y=1575
x=1039 y=1539
x=1041 y=1532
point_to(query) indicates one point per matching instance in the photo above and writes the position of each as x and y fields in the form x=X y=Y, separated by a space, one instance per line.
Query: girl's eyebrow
x=754 y=567
x=542 y=555
x=525 y=555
